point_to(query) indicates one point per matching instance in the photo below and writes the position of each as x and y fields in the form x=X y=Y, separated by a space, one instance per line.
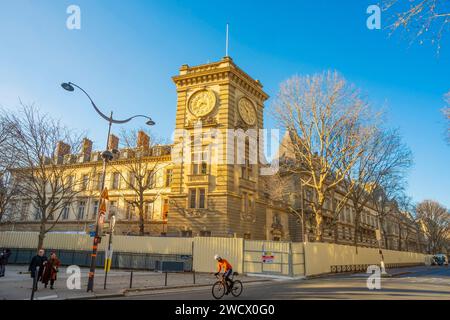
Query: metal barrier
x=121 y=260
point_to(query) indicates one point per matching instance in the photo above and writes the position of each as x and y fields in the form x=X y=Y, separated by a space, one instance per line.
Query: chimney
x=143 y=140
x=62 y=149
x=113 y=142
x=86 y=148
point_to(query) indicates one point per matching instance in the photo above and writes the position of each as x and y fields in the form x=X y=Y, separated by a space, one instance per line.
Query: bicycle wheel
x=237 y=288
x=218 y=290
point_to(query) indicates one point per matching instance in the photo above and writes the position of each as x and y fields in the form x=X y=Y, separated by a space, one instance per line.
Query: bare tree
x=9 y=188
x=40 y=168
x=383 y=157
x=403 y=219
x=383 y=199
x=424 y=20
x=434 y=219
x=322 y=114
x=284 y=188
x=140 y=174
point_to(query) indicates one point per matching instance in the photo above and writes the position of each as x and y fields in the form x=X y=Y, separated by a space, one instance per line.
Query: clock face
x=247 y=111
x=202 y=103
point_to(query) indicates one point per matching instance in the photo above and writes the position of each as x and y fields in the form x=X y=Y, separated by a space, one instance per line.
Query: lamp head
x=67 y=86
x=150 y=122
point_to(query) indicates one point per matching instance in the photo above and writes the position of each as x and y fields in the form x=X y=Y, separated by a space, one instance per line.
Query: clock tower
x=213 y=193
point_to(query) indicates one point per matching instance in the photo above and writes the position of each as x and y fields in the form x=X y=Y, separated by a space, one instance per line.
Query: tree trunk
x=319 y=226
x=356 y=232
x=141 y=221
x=41 y=236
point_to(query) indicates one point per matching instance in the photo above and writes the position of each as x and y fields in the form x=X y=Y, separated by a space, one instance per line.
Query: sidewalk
x=16 y=285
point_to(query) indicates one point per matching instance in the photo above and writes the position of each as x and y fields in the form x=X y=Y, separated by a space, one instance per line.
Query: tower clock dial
x=247 y=111
x=202 y=103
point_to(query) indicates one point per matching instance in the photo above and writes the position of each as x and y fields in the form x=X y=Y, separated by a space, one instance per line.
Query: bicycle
x=220 y=286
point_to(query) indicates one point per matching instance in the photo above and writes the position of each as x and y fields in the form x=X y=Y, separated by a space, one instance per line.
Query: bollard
x=131 y=279
x=34 y=284
x=165 y=280
x=193 y=275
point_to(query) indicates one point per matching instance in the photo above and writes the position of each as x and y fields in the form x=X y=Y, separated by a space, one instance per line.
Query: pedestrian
x=36 y=266
x=4 y=256
x=50 y=270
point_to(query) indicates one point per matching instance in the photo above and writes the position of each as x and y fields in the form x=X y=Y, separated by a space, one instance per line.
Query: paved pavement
x=17 y=283
x=407 y=283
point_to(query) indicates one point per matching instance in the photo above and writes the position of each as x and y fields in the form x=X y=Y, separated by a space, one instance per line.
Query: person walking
x=36 y=267
x=4 y=256
x=50 y=270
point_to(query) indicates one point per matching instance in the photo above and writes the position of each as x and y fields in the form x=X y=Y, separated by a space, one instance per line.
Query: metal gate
x=267 y=257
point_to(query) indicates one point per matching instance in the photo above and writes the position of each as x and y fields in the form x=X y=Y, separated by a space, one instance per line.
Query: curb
x=98 y=296
x=125 y=292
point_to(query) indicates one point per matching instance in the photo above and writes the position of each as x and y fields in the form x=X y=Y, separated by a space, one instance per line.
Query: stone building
x=193 y=194
x=207 y=183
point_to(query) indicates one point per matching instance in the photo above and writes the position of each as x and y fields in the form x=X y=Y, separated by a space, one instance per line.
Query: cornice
x=219 y=72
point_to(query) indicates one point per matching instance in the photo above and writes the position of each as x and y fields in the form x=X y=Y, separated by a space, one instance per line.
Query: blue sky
x=126 y=52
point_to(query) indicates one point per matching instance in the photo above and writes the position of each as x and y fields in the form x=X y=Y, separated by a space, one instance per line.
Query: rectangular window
x=84 y=182
x=130 y=212
x=192 y=198
x=165 y=211
x=69 y=182
x=115 y=181
x=24 y=210
x=37 y=214
x=169 y=173
x=197 y=198
x=94 y=209
x=81 y=209
x=199 y=162
x=65 y=213
x=112 y=209
x=149 y=211
x=249 y=170
x=131 y=179
x=151 y=179
x=99 y=181
x=201 y=202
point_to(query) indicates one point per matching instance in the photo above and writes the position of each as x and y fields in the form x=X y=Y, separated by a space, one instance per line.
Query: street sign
x=92 y=234
x=267 y=257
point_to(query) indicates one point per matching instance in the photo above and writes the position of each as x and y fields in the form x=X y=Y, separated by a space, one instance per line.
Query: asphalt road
x=416 y=283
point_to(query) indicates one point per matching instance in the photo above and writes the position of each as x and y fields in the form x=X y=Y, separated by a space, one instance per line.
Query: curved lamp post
x=107 y=156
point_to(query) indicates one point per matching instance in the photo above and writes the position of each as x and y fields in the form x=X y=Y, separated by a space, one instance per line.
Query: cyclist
x=227 y=269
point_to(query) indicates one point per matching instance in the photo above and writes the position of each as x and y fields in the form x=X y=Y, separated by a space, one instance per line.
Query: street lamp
x=107 y=156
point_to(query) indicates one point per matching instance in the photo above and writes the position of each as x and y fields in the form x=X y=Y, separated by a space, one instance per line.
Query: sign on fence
x=267 y=257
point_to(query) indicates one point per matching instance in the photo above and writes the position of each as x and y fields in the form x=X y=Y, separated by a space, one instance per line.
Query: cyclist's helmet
x=217 y=257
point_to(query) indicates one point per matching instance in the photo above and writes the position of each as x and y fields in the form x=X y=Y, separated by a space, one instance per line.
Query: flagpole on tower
x=226 y=43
